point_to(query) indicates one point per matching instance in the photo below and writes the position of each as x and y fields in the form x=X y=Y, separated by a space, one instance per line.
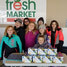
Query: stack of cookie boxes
x=42 y=55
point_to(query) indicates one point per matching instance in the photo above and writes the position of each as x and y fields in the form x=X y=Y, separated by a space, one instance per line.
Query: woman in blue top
x=10 y=42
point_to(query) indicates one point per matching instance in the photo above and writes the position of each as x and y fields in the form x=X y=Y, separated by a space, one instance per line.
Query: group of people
x=20 y=37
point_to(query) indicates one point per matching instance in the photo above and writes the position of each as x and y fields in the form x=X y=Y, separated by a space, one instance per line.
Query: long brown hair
x=34 y=30
x=57 y=25
x=5 y=33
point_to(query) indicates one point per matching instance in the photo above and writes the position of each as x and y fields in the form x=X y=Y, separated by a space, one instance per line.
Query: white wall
x=2 y=29
x=65 y=36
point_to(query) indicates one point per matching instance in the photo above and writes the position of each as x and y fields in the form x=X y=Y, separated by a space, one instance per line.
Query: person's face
x=17 y=24
x=42 y=31
x=26 y=22
x=40 y=40
x=10 y=31
x=40 y=22
x=53 y=25
x=31 y=26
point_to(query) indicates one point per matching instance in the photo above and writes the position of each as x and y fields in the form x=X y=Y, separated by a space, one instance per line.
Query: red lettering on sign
x=17 y=5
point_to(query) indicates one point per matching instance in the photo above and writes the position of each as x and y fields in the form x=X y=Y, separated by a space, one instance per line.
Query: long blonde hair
x=5 y=33
x=34 y=30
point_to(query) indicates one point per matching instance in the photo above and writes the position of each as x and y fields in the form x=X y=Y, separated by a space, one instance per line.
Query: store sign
x=32 y=9
x=18 y=8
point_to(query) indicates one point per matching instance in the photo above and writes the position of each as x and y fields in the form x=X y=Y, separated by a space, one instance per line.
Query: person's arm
x=1 y=45
x=22 y=36
x=35 y=46
x=36 y=39
x=61 y=37
x=19 y=43
x=61 y=40
x=48 y=38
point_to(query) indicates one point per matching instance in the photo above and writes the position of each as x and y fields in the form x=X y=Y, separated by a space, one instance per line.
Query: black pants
x=59 y=47
x=7 y=50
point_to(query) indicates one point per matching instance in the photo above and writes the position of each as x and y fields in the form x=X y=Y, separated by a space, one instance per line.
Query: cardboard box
x=51 y=51
x=56 y=59
x=37 y=59
x=27 y=59
x=61 y=59
x=47 y=59
x=32 y=51
x=42 y=51
x=52 y=59
x=45 y=51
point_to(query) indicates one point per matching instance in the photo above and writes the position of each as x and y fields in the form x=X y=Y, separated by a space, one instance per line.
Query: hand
x=0 y=58
x=49 y=37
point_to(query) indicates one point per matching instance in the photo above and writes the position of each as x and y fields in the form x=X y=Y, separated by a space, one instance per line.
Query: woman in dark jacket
x=20 y=31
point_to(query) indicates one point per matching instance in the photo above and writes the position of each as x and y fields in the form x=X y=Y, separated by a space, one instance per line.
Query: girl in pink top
x=30 y=35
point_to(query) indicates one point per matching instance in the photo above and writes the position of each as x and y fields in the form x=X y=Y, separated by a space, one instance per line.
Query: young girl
x=30 y=35
x=40 y=22
x=57 y=38
x=9 y=42
x=42 y=31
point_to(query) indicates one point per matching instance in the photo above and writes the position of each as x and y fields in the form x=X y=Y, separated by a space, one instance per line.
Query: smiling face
x=10 y=31
x=54 y=25
x=40 y=40
x=31 y=26
x=40 y=22
x=17 y=24
x=26 y=22
x=42 y=31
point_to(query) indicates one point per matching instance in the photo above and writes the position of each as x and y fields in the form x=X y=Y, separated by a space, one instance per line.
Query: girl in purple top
x=30 y=35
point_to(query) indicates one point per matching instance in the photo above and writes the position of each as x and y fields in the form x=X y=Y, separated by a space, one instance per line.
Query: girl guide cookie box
x=42 y=59
x=56 y=59
x=42 y=51
x=47 y=59
x=37 y=59
x=32 y=51
x=27 y=59
x=52 y=59
x=52 y=51
x=47 y=51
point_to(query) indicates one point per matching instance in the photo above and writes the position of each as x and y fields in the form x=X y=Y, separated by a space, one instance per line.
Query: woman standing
x=26 y=22
x=57 y=38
